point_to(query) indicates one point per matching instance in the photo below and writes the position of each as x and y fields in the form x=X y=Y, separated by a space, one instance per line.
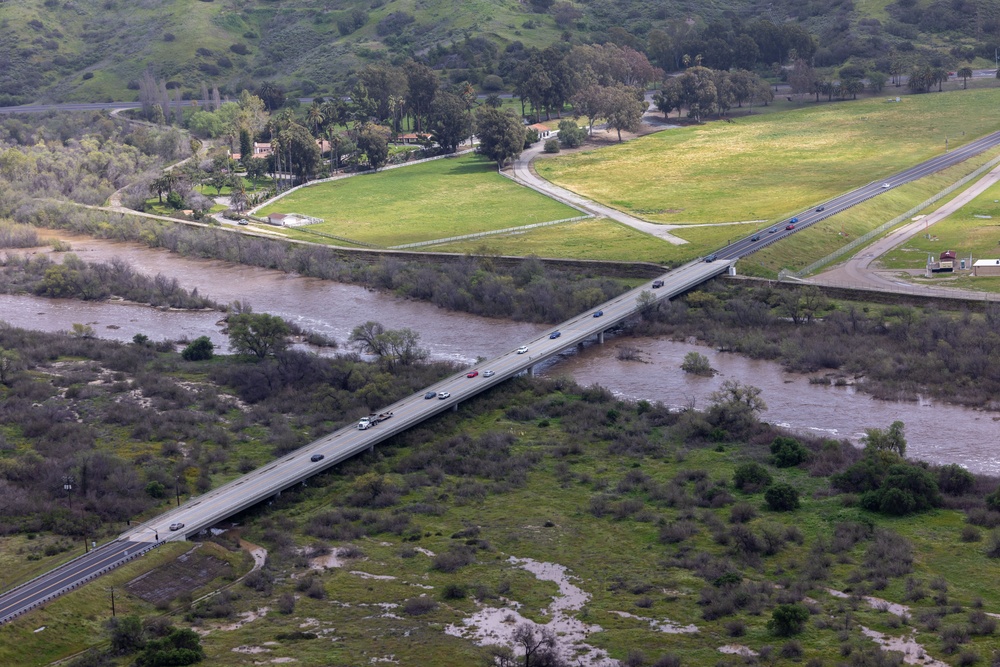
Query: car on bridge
x=657 y=284
x=430 y=394
x=472 y=374
x=315 y=458
x=711 y=258
x=488 y=374
x=554 y=334
x=522 y=349
x=176 y=526
x=444 y=394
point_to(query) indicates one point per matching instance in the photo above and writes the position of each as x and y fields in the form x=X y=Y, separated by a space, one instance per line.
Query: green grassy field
x=769 y=166
x=437 y=199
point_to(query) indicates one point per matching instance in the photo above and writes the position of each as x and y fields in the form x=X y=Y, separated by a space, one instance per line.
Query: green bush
x=751 y=477
x=551 y=146
x=905 y=489
x=788 y=619
x=787 y=452
x=200 y=349
x=570 y=135
x=782 y=498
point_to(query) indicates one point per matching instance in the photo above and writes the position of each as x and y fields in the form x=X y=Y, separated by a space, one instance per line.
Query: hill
x=53 y=50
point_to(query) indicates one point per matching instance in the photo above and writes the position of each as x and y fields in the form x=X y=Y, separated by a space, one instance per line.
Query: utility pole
x=177 y=489
x=68 y=488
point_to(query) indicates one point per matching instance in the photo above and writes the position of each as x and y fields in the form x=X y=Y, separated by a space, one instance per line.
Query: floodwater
x=935 y=432
x=333 y=309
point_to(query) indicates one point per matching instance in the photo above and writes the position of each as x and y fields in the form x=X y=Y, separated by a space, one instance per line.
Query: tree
x=697 y=364
x=801 y=77
x=449 y=121
x=200 y=349
x=537 y=644
x=501 y=134
x=272 y=95
x=256 y=334
x=735 y=407
x=788 y=619
x=422 y=89
x=876 y=81
x=256 y=167
x=10 y=363
x=781 y=497
x=965 y=73
x=697 y=91
x=955 y=480
x=373 y=141
x=890 y=440
x=589 y=103
x=127 y=635
x=383 y=83
x=392 y=346
x=852 y=87
x=570 y=135
x=624 y=107
x=751 y=477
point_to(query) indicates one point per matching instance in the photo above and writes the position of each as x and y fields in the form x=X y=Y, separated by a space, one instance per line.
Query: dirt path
x=859 y=272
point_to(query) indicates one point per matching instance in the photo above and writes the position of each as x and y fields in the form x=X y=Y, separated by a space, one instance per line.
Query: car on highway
x=555 y=334
x=472 y=374
x=711 y=258
x=772 y=230
x=443 y=395
x=522 y=349
x=793 y=220
x=790 y=226
x=886 y=185
x=820 y=208
x=316 y=457
x=242 y=222
x=430 y=394
x=599 y=313
x=488 y=374
x=176 y=526
x=755 y=238
x=657 y=284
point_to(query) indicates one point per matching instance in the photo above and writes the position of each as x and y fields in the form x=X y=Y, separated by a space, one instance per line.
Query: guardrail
x=494 y=232
x=66 y=589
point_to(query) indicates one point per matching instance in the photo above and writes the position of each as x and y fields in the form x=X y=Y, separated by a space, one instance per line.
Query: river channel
x=969 y=438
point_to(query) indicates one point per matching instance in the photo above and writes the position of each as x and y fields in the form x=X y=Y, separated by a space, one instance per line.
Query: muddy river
x=333 y=309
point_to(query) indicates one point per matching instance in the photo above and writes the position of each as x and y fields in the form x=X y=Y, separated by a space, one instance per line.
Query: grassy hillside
x=90 y=51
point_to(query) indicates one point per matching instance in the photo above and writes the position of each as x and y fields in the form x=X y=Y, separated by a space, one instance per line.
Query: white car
x=176 y=526
x=522 y=349
x=488 y=374
x=886 y=185
x=443 y=395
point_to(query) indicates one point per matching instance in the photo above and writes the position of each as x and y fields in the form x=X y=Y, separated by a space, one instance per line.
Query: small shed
x=276 y=219
x=986 y=267
x=544 y=132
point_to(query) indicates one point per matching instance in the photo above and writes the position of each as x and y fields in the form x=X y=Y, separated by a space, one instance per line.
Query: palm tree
x=940 y=76
x=315 y=116
x=966 y=74
x=238 y=195
x=493 y=100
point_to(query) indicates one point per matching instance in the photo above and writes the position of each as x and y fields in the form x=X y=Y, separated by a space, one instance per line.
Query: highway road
x=777 y=231
x=207 y=510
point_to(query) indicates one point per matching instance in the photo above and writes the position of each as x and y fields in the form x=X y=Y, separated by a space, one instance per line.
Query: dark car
x=599 y=313
x=710 y=258
x=820 y=208
x=772 y=230
x=316 y=457
x=755 y=237
x=657 y=284
x=790 y=227
x=430 y=394
x=555 y=334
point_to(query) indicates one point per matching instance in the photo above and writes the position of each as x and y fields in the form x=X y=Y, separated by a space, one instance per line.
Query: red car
x=472 y=374
x=790 y=227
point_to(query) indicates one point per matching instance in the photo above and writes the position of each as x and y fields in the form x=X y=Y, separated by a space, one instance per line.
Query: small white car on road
x=522 y=349
x=176 y=526
x=443 y=395
x=488 y=374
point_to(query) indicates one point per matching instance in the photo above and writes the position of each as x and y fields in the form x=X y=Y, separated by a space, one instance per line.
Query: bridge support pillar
x=454 y=408
x=600 y=337
x=531 y=371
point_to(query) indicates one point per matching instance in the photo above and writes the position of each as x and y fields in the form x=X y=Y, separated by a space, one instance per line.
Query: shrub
x=787 y=452
x=454 y=592
x=954 y=480
x=239 y=49
x=751 y=477
x=736 y=628
x=792 y=650
x=419 y=606
x=200 y=349
x=571 y=135
x=492 y=83
x=88 y=75
x=742 y=513
x=788 y=619
x=697 y=364
x=782 y=498
x=971 y=534
x=551 y=146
